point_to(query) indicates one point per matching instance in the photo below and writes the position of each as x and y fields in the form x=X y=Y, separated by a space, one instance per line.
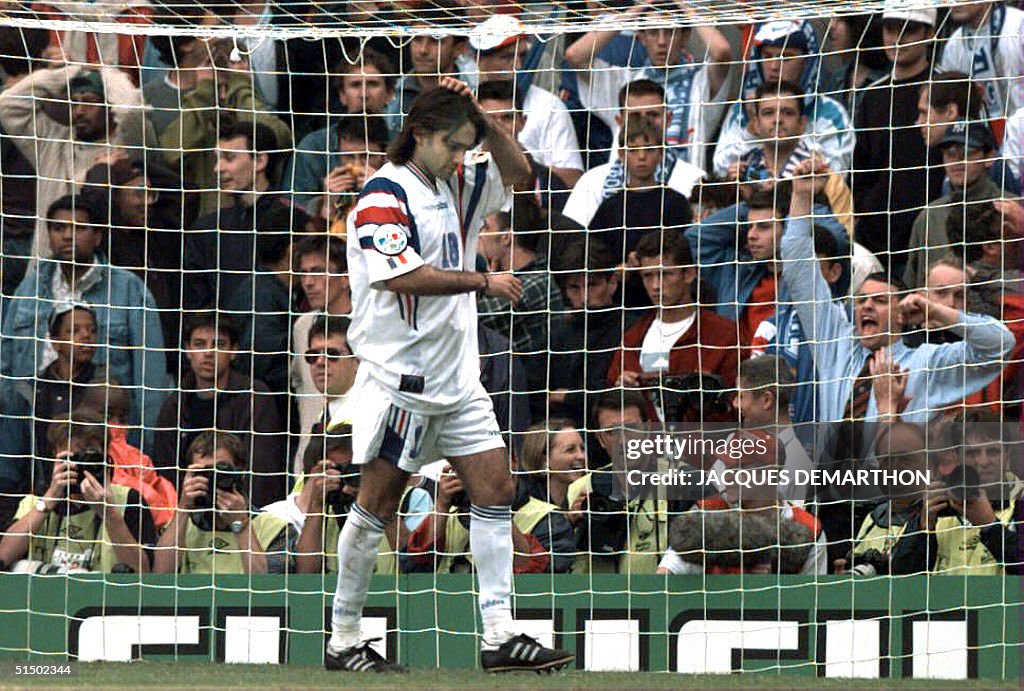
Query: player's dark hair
x=437 y=110
x=498 y=90
x=893 y=282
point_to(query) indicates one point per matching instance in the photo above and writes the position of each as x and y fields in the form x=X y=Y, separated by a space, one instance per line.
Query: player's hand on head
x=505 y=285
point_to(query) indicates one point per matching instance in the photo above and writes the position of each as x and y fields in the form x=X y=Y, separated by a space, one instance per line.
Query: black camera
x=963 y=484
x=461 y=504
x=604 y=528
x=870 y=562
x=222 y=476
x=679 y=394
x=92 y=460
x=338 y=501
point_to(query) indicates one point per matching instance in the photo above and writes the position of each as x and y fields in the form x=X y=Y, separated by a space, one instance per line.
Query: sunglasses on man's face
x=312 y=356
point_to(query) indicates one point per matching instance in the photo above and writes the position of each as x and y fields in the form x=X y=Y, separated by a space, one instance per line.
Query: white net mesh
x=791 y=224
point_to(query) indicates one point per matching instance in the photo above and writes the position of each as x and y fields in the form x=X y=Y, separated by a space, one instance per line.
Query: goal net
x=759 y=395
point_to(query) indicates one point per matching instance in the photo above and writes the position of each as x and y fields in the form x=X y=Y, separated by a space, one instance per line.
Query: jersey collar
x=421 y=175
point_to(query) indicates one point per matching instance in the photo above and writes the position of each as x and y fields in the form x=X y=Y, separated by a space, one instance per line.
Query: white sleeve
x=384 y=231
x=549 y=134
x=585 y=197
x=734 y=141
x=599 y=88
x=480 y=170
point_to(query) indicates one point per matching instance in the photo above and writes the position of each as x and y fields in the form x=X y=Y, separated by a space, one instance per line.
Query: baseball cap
x=974 y=135
x=65 y=306
x=784 y=34
x=497 y=31
x=90 y=82
x=906 y=10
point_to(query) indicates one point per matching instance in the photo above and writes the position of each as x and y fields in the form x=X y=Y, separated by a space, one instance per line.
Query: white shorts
x=381 y=429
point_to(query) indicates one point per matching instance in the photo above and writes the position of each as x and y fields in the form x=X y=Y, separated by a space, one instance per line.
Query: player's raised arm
x=506 y=151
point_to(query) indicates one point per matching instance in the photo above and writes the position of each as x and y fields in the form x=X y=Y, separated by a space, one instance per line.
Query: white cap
x=496 y=31
x=905 y=10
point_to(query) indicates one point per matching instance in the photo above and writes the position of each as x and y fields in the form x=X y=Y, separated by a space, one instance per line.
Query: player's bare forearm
x=428 y=280
x=508 y=155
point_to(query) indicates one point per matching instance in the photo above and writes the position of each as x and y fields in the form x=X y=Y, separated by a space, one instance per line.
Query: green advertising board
x=901 y=627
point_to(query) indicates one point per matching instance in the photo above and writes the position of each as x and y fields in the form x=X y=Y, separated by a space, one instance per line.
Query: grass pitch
x=155 y=675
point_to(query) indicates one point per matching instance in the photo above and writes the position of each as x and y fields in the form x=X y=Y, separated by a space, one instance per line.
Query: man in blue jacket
x=129 y=340
x=938 y=375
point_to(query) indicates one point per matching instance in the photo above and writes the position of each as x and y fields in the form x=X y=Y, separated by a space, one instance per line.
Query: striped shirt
x=403 y=220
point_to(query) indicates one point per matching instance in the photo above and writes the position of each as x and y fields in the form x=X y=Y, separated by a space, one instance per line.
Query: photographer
x=966 y=526
x=319 y=504
x=440 y=543
x=619 y=536
x=214 y=530
x=84 y=522
x=899 y=447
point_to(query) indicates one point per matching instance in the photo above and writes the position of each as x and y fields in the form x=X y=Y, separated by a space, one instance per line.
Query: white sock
x=357 y=551
x=490 y=541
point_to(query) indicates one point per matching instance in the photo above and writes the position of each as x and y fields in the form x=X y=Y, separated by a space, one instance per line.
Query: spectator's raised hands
x=889 y=383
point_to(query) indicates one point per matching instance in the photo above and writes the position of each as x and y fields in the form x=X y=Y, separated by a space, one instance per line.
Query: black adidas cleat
x=359 y=658
x=523 y=653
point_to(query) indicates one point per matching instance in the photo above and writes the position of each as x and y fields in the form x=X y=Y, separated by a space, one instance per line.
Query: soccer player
x=413 y=233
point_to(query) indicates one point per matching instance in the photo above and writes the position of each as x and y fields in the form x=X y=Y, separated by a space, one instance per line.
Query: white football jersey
x=422 y=348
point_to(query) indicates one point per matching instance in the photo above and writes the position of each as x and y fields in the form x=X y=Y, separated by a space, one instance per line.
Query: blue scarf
x=678 y=84
x=757 y=169
x=753 y=77
x=616 y=180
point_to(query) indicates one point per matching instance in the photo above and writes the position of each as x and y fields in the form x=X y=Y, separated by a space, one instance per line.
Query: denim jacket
x=129 y=338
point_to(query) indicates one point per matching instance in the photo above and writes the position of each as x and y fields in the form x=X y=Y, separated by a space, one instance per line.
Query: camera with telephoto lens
x=339 y=501
x=870 y=562
x=460 y=504
x=679 y=394
x=92 y=460
x=963 y=484
x=222 y=476
x=604 y=530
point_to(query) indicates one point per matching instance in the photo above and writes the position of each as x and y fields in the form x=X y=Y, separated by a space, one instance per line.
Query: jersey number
x=450 y=254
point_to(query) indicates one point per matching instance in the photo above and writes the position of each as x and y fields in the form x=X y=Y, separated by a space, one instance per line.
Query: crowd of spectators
x=809 y=230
